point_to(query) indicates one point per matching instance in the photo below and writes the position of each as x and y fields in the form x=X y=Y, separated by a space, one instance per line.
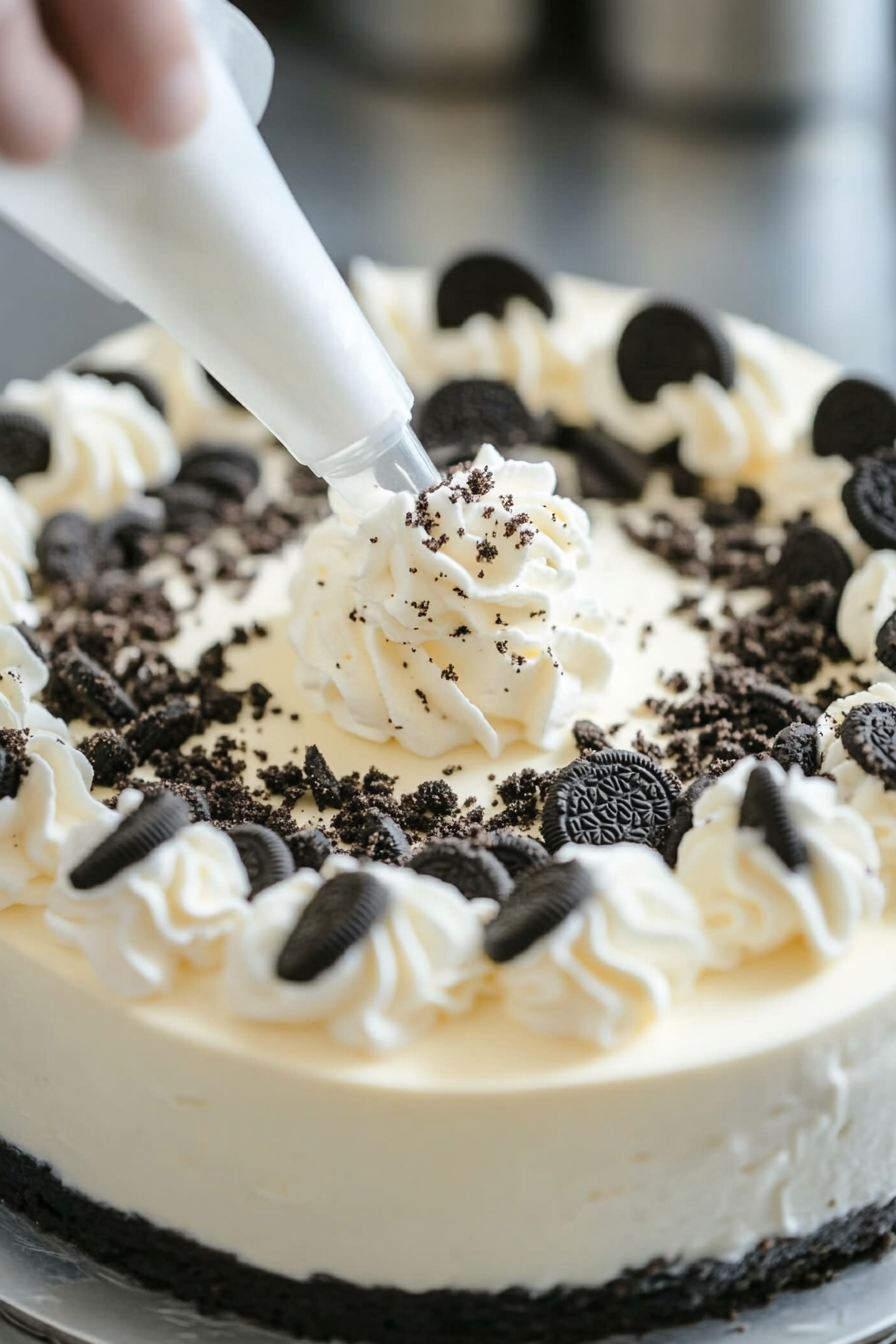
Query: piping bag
x=207 y=240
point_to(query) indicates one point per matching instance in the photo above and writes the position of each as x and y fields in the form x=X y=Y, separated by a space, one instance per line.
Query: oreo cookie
x=157 y=820
x=468 y=412
x=127 y=540
x=773 y=707
x=65 y=549
x=224 y=469
x=265 y=857
x=110 y=755
x=383 y=838
x=190 y=508
x=99 y=697
x=10 y=774
x=474 y=871
x=323 y=783
x=764 y=808
x=607 y=798
x=854 y=418
x=485 y=282
x=516 y=852
x=342 y=912
x=309 y=848
x=797 y=744
x=163 y=728
x=811 y=555
x=608 y=468
x=670 y=342
x=24 y=445
x=885 y=643
x=149 y=389
x=868 y=734
x=538 y=904
x=683 y=817
x=869 y=497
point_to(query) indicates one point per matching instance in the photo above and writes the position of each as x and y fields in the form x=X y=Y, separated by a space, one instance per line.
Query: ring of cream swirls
x=423 y=960
x=613 y=965
x=176 y=905
x=107 y=444
x=750 y=901
x=867 y=794
x=417 y=637
x=567 y=364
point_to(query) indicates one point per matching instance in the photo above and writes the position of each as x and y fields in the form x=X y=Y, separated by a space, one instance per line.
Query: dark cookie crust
x=325 y=1308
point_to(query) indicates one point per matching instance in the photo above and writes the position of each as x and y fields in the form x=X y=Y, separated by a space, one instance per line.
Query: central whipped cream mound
x=455 y=617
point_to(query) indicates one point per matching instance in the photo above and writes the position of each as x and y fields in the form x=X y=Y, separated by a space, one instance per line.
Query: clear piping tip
x=388 y=462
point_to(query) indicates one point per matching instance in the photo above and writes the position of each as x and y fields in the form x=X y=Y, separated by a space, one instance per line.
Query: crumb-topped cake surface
x=478 y=909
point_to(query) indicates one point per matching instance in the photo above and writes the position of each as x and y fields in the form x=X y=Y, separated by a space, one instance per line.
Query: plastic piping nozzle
x=208 y=241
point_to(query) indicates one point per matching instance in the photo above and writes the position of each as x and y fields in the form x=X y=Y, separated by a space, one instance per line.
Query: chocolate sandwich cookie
x=485 y=282
x=342 y=912
x=671 y=342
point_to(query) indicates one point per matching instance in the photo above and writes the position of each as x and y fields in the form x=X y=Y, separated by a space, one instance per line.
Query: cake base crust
x=660 y=1294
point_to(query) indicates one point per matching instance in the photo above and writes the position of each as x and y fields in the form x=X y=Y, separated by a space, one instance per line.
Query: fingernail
x=176 y=106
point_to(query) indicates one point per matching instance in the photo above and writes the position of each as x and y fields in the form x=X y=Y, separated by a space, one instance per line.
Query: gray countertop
x=792 y=226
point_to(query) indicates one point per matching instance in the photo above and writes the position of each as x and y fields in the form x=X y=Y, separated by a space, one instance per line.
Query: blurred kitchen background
x=739 y=152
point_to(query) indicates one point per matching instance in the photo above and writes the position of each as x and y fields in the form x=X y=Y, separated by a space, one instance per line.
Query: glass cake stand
x=52 y=1292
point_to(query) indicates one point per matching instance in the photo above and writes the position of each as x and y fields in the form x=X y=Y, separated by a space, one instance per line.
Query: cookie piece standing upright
x=854 y=418
x=671 y=342
x=485 y=282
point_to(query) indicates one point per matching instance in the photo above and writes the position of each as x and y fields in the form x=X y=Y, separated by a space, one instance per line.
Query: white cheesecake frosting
x=752 y=903
x=611 y=967
x=107 y=444
x=422 y=961
x=453 y=618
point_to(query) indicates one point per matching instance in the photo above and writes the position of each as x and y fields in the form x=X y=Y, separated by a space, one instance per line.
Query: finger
x=40 y=103
x=140 y=57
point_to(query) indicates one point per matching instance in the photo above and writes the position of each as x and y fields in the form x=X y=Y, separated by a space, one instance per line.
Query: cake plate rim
x=52 y=1290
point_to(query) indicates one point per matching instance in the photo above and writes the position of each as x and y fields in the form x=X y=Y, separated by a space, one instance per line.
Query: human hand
x=138 y=56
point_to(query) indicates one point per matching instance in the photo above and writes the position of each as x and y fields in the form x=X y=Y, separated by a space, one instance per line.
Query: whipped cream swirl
x=751 y=902
x=107 y=443
x=543 y=358
x=22 y=676
x=568 y=364
x=176 y=905
x=52 y=799
x=454 y=618
x=613 y=965
x=737 y=435
x=421 y=961
x=869 y=598
x=867 y=794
